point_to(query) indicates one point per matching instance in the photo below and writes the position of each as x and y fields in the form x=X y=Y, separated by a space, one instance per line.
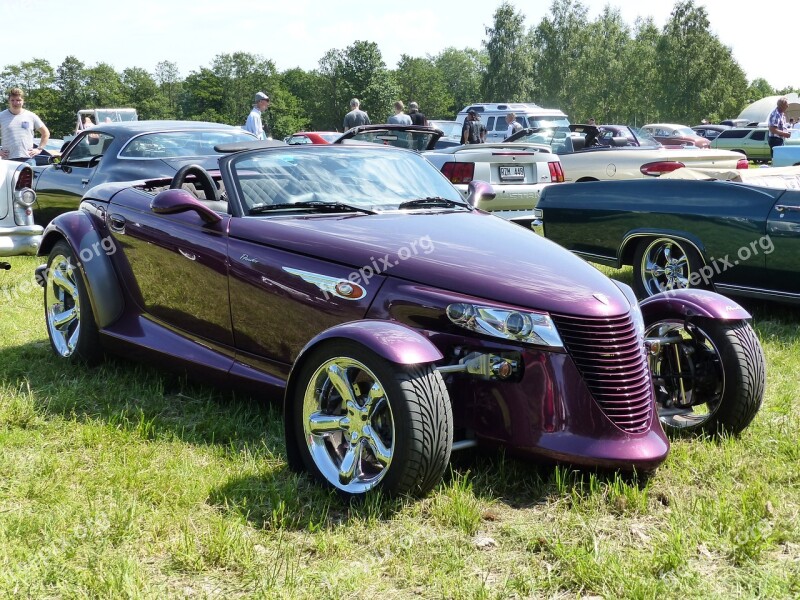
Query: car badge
x=601 y=298
x=331 y=286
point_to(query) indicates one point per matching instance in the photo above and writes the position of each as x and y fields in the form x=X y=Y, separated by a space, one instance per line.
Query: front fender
x=691 y=303
x=93 y=252
x=391 y=341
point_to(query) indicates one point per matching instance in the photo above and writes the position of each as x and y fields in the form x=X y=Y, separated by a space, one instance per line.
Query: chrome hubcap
x=62 y=305
x=348 y=425
x=665 y=266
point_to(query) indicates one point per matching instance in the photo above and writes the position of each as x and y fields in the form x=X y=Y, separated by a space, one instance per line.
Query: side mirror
x=479 y=191
x=170 y=202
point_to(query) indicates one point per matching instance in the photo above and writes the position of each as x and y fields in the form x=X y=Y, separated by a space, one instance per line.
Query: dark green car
x=737 y=238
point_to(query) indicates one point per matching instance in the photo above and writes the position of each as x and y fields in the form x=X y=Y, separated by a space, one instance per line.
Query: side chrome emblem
x=602 y=298
x=331 y=286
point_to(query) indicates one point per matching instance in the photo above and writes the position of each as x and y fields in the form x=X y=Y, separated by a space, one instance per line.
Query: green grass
x=128 y=481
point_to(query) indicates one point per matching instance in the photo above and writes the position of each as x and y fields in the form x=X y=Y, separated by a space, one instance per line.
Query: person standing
x=254 y=124
x=356 y=116
x=777 y=125
x=399 y=117
x=417 y=118
x=513 y=124
x=473 y=132
x=17 y=125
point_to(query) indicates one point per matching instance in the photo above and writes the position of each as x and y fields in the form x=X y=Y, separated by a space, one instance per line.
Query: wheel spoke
x=320 y=423
x=382 y=452
x=375 y=399
x=350 y=462
x=64 y=281
x=65 y=317
x=338 y=378
x=72 y=341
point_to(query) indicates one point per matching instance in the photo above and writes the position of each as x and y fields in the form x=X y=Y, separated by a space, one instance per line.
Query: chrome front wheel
x=363 y=422
x=68 y=314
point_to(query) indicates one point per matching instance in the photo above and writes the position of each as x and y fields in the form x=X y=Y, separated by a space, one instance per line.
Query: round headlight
x=25 y=196
x=516 y=323
x=459 y=313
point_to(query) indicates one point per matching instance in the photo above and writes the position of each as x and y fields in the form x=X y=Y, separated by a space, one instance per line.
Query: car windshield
x=566 y=140
x=373 y=179
x=176 y=144
x=548 y=122
x=683 y=132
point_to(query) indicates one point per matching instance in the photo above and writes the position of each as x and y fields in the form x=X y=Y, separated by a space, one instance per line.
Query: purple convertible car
x=397 y=322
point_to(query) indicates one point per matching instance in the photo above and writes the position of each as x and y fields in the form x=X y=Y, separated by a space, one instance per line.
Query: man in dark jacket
x=417 y=118
x=473 y=132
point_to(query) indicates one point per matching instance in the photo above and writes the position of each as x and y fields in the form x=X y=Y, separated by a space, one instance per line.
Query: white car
x=609 y=152
x=517 y=174
x=18 y=233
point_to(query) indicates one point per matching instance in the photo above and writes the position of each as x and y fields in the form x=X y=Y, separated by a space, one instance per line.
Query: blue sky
x=297 y=33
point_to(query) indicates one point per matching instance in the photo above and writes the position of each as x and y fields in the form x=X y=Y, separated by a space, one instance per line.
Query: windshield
x=368 y=178
x=566 y=140
x=548 y=122
x=177 y=144
x=410 y=140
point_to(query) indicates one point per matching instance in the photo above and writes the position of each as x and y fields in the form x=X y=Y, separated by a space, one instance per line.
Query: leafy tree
x=639 y=92
x=602 y=71
x=365 y=76
x=509 y=74
x=141 y=92
x=72 y=85
x=420 y=81
x=759 y=88
x=104 y=87
x=167 y=76
x=201 y=97
x=560 y=41
x=462 y=72
x=333 y=92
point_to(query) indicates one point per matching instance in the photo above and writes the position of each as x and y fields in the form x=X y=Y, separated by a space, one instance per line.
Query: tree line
x=601 y=68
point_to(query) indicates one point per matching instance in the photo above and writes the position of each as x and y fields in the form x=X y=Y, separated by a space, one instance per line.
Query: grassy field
x=124 y=481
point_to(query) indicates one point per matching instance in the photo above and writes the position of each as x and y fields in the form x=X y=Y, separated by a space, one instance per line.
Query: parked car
x=18 y=232
x=789 y=153
x=517 y=174
x=750 y=141
x=671 y=134
x=451 y=132
x=595 y=153
x=493 y=116
x=735 y=237
x=50 y=150
x=709 y=131
x=355 y=282
x=313 y=137
x=124 y=151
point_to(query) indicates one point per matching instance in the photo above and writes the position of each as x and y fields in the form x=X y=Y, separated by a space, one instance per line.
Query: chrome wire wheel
x=63 y=305
x=665 y=265
x=689 y=377
x=348 y=425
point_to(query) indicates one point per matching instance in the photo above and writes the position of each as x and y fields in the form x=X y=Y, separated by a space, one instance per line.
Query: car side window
x=490 y=124
x=88 y=149
x=758 y=136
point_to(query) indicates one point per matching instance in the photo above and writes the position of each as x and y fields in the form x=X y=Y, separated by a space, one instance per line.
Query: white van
x=493 y=116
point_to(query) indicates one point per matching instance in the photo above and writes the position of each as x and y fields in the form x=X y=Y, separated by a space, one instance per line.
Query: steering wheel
x=201 y=175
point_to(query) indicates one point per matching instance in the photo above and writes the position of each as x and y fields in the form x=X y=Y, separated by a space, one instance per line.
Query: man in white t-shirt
x=513 y=124
x=17 y=125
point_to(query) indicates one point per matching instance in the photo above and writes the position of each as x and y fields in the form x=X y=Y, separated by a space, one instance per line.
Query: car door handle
x=116 y=222
x=787 y=208
x=84 y=182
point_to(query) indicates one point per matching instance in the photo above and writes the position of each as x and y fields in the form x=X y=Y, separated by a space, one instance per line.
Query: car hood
x=470 y=253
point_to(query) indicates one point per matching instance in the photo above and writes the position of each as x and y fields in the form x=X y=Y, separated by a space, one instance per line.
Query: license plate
x=512 y=172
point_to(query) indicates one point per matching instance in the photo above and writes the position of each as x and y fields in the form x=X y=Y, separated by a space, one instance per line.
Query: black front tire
x=713 y=381
x=71 y=325
x=363 y=423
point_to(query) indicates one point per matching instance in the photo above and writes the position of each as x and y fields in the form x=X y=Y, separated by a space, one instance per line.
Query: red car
x=670 y=134
x=313 y=137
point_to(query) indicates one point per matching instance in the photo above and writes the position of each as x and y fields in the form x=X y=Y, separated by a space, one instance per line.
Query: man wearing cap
x=473 y=132
x=254 y=124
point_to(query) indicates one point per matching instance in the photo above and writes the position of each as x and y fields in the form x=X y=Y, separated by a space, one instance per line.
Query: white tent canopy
x=758 y=111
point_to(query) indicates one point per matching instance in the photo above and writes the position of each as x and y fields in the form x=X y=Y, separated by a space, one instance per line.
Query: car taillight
x=459 y=172
x=654 y=169
x=556 y=172
x=742 y=164
x=25 y=179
